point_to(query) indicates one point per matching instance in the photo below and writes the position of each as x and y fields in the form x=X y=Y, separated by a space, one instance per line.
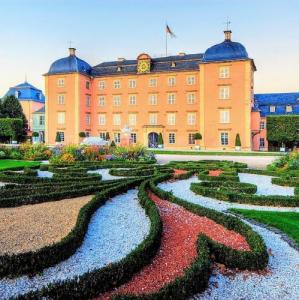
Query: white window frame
x=262 y=125
x=102 y=100
x=116 y=136
x=60 y=82
x=272 y=108
x=224 y=72
x=87 y=100
x=171 y=81
x=289 y=108
x=171 y=98
x=88 y=119
x=191 y=80
x=61 y=134
x=102 y=84
x=134 y=137
x=132 y=119
x=102 y=119
x=224 y=92
x=132 y=83
x=224 y=138
x=116 y=119
x=153 y=82
x=61 y=99
x=171 y=138
x=116 y=84
x=153 y=118
x=171 y=119
x=61 y=117
x=116 y=100
x=191 y=118
x=191 y=98
x=153 y=99
x=224 y=116
x=191 y=140
x=132 y=99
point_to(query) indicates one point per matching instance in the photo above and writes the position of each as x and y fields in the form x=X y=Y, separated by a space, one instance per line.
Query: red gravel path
x=215 y=172
x=179 y=172
x=178 y=248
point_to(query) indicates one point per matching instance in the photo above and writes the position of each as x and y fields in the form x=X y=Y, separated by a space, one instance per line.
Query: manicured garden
x=131 y=228
x=15 y=164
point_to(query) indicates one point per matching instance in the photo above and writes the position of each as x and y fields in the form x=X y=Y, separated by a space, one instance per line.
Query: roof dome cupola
x=225 y=51
x=70 y=64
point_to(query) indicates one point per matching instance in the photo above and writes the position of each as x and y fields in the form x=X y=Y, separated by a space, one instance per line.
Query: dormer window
x=118 y=69
x=272 y=108
x=173 y=64
x=17 y=94
x=289 y=108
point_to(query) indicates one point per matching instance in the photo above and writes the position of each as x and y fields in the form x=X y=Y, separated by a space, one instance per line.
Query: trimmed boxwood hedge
x=34 y=261
x=133 y=171
x=102 y=280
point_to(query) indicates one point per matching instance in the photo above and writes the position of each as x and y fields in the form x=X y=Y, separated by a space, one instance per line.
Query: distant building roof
x=69 y=64
x=40 y=111
x=262 y=103
x=26 y=91
x=161 y=64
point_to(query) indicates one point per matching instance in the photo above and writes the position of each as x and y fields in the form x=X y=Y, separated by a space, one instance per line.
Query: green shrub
x=238 y=140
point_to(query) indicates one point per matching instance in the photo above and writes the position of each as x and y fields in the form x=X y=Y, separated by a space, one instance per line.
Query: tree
x=58 y=138
x=10 y=129
x=82 y=134
x=238 y=140
x=160 y=139
x=107 y=138
x=113 y=145
x=11 y=108
x=35 y=134
x=197 y=136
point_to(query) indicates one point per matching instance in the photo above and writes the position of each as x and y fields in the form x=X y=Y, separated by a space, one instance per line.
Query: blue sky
x=36 y=32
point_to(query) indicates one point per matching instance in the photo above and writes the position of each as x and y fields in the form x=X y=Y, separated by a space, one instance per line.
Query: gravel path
x=30 y=227
x=114 y=231
x=105 y=174
x=265 y=186
x=281 y=282
x=181 y=188
x=2 y=184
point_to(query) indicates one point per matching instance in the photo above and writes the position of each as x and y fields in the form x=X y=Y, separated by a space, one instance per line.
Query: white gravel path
x=181 y=189
x=282 y=280
x=105 y=174
x=114 y=231
x=265 y=186
x=2 y=184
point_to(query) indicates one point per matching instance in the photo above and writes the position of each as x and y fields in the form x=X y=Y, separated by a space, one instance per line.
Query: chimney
x=120 y=59
x=72 y=51
x=228 y=35
x=182 y=53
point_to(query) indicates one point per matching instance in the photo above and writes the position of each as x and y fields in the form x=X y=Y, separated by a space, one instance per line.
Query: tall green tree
x=10 y=107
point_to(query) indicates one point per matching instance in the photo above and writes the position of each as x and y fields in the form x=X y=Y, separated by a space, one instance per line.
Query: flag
x=168 y=30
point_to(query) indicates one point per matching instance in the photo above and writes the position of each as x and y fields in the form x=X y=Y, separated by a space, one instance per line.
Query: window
x=190 y=98
x=41 y=120
x=17 y=94
x=61 y=99
x=171 y=119
x=190 y=80
x=171 y=138
x=224 y=116
x=102 y=135
x=87 y=119
x=171 y=98
x=153 y=99
x=61 y=134
x=116 y=84
x=134 y=138
x=60 y=82
x=116 y=119
x=101 y=101
x=153 y=119
x=171 y=81
x=224 y=92
x=272 y=108
x=87 y=101
x=87 y=134
x=117 y=137
x=132 y=99
x=132 y=83
x=224 y=138
x=191 y=118
x=224 y=72
x=102 y=119
x=102 y=84
x=262 y=125
x=153 y=82
x=289 y=108
x=87 y=85
x=116 y=100
x=262 y=143
x=132 y=119
x=61 y=117
x=191 y=139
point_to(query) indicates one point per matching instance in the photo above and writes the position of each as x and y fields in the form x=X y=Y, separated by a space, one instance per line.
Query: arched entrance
x=153 y=140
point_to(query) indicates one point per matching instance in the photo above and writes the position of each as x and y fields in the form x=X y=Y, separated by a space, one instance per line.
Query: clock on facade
x=143 y=66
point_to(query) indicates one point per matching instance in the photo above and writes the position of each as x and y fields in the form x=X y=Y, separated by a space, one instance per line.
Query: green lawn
x=223 y=153
x=8 y=164
x=288 y=222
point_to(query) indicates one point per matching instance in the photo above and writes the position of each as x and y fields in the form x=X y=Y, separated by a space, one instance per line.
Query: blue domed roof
x=226 y=50
x=69 y=64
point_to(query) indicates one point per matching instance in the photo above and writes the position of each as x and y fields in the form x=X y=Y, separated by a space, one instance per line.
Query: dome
x=226 y=50
x=69 y=64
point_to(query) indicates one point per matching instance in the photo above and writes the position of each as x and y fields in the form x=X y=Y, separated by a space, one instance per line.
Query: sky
x=34 y=33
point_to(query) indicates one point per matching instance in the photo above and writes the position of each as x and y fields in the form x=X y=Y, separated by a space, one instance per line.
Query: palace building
x=177 y=96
